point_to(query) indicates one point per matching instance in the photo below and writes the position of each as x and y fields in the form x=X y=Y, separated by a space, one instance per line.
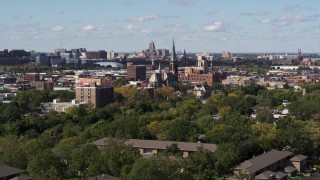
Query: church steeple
x=173 y=60
x=185 y=60
x=160 y=71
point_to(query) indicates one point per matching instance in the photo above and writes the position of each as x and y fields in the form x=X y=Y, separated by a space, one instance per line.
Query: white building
x=57 y=105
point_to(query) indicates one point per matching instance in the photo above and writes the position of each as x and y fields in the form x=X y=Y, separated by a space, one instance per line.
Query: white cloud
x=57 y=28
x=88 y=28
x=215 y=27
x=266 y=21
x=145 y=18
x=132 y=27
x=287 y=20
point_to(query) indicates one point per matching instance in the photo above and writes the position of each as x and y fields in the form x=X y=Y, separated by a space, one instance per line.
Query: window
x=147 y=151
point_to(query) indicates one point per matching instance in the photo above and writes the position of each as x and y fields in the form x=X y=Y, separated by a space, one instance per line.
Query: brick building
x=31 y=77
x=97 y=55
x=196 y=77
x=98 y=96
x=136 y=72
x=42 y=85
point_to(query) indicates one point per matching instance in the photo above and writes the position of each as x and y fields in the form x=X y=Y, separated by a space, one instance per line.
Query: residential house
x=271 y=165
x=201 y=91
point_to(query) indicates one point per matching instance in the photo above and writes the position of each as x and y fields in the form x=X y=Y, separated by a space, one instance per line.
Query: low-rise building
x=57 y=105
x=151 y=147
x=271 y=164
x=42 y=85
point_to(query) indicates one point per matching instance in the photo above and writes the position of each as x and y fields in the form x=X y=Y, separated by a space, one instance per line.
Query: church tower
x=173 y=61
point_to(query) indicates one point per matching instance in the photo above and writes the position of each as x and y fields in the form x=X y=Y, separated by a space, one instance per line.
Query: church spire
x=173 y=60
x=160 y=71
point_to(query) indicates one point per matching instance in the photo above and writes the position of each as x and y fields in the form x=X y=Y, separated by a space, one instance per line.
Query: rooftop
x=154 y=144
x=263 y=160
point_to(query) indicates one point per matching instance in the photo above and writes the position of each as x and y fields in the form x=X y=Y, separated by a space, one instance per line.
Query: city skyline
x=129 y=25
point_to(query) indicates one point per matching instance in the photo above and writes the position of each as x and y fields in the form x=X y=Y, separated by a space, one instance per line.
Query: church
x=162 y=79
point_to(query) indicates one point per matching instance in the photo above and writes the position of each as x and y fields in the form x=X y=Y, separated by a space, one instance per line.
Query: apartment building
x=98 y=96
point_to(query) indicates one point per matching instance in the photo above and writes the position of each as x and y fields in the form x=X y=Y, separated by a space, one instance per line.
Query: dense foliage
x=58 y=146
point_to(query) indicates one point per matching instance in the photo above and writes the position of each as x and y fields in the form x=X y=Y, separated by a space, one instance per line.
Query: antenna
x=61 y=43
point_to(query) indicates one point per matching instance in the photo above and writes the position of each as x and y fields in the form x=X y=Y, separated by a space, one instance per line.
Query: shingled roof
x=6 y=171
x=255 y=164
x=298 y=158
x=265 y=175
x=154 y=144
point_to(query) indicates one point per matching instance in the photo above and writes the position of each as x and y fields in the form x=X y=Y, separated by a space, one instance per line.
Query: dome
x=112 y=64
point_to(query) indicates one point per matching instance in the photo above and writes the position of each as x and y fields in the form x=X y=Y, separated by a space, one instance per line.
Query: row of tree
x=59 y=145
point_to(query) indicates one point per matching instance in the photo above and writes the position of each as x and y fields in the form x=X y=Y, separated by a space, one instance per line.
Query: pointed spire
x=160 y=67
x=173 y=53
x=173 y=60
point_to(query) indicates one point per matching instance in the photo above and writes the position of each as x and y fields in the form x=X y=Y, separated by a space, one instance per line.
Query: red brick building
x=31 y=77
x=196 y=77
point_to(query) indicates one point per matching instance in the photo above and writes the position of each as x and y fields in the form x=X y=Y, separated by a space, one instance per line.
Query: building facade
x=98 y=96
x=58 y=106
x=136 y=72
x=42 y=85
x=31 y=77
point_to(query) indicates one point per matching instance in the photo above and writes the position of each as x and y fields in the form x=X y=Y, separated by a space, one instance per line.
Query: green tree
x=44 y=166
x=119 y=157
x=120 y=82
x=201 y=165
x=157 y=168
x=173 y=150
x=226 y=157
x=11 y=152
x=80 y=158
x=267 y=135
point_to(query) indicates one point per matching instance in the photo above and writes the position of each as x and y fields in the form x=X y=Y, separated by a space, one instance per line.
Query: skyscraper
x=152 y=47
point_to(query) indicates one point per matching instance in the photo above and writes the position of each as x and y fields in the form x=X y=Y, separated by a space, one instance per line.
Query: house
x=150 y=147
x=201 y=91
x=299 y=162
x=271 y=165
x=12 y=173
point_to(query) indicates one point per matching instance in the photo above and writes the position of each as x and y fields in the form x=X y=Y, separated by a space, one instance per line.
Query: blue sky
x=129 y=25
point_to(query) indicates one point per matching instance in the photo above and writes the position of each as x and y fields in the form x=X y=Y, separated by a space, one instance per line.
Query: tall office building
x=152 y=47
x=98 y=96
x=136 y=72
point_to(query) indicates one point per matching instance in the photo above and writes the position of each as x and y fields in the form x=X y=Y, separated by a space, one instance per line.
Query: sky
x=130 y=25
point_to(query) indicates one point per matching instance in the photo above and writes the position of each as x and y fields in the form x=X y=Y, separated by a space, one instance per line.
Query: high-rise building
x=152 y=47
x=97 y=54
x=98 y=96
x=136 y=72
